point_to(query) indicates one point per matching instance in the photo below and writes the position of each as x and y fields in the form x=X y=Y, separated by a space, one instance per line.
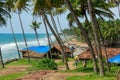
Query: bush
x=45 y=64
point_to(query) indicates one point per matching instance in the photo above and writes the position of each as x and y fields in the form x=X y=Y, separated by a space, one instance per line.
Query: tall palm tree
x=81 y=10
x=3 y=17
x=58 y=40
x=4 y=14
x=114 y=2
x=39 y=8
x=97 y=36
x=35 y=26
x=84 y=34
x=19 y=5
x=48 y=37
x=1 y=58
x=9 y=5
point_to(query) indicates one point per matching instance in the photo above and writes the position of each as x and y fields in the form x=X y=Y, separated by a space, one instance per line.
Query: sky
x=27 y=20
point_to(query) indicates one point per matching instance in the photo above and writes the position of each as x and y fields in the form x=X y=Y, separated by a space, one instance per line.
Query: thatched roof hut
x=38 y=51
x=43 y=51
x=110 y=52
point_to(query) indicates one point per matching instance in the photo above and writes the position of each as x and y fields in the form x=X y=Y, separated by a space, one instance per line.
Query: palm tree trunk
x=57 y=38
x=105 y=50
x=84 y=34
x=24 y=36
x=37 y=37
x=48 y=37
x=1 y=59
x=61 y=28
x=55 y=27
x=15 y=39
x=97 y=37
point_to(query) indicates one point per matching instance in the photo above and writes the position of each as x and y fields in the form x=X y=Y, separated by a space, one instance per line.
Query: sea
x=8 y=46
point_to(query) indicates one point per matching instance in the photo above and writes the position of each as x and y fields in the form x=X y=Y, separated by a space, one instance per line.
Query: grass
x=60 y=63
x=81 y=69
x=12 y=76
x=91 y=77
x=22 y=62
x=89 y=69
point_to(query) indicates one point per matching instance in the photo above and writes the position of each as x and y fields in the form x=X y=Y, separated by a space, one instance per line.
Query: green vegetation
x=45 y=64
x=22 y=62
x=12 y=76
x=50 y=64
x=60 y=63
x=109 y=29
x=91 y=77
x=109 y=75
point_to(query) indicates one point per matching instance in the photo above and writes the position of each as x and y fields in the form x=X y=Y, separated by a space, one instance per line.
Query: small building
x=43 y=51
x=110 y=53
x=39 y=51
x=68 y=51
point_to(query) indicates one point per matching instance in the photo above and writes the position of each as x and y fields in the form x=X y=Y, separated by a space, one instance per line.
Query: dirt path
x=52 y=74
x=71 y=65
x=13 y=69
x=43 y=74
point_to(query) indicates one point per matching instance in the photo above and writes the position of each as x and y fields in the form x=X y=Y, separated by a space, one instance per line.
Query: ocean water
x=8 y=47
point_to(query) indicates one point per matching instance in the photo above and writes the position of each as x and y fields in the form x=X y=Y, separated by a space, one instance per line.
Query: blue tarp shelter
x=115 y=59
x=38 y=49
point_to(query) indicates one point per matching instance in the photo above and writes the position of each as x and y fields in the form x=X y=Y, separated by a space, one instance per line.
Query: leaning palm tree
x=4 y=14
x=96 y=35
x=84 y=34
x=3 y=17
x=9 y=5
x=35 y=26
x=48 y=37
x=39 y=9
x=101 y=9
x=19 y=5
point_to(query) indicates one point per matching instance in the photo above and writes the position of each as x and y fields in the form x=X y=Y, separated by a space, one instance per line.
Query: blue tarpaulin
x=115 y=59
x=38 y=49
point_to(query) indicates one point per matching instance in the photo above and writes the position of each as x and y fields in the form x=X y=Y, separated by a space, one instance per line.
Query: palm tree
x=4 y=14
x=84 y=34
x=21 y=4
x=48 y=37
x=35 y=26
x=3 y=17
x=1 y=59
x=99 y=10
x=58 y=40
x=9 y=6
x=114 y=2
x=97 y=36
x=39 y=8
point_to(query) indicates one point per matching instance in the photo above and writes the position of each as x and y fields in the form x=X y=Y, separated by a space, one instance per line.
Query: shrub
x=45 y=64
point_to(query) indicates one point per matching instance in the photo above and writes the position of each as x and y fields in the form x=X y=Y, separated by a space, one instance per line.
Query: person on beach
x=76 y=61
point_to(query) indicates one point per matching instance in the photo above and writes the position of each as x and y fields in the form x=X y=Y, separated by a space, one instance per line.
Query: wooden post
x=1 y=59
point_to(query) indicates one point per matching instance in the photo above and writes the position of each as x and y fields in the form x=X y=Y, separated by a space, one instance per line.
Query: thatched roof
x=110 y=52
x=67 y=50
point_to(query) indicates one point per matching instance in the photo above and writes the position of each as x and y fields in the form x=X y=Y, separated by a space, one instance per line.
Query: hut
x=68 y=51
x=44 y=51
x=39 y=51
x=110 y=52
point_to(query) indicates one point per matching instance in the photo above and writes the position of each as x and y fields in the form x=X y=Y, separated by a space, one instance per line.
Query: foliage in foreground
x=12 y=76
x=45 y=64
x=90 y=77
